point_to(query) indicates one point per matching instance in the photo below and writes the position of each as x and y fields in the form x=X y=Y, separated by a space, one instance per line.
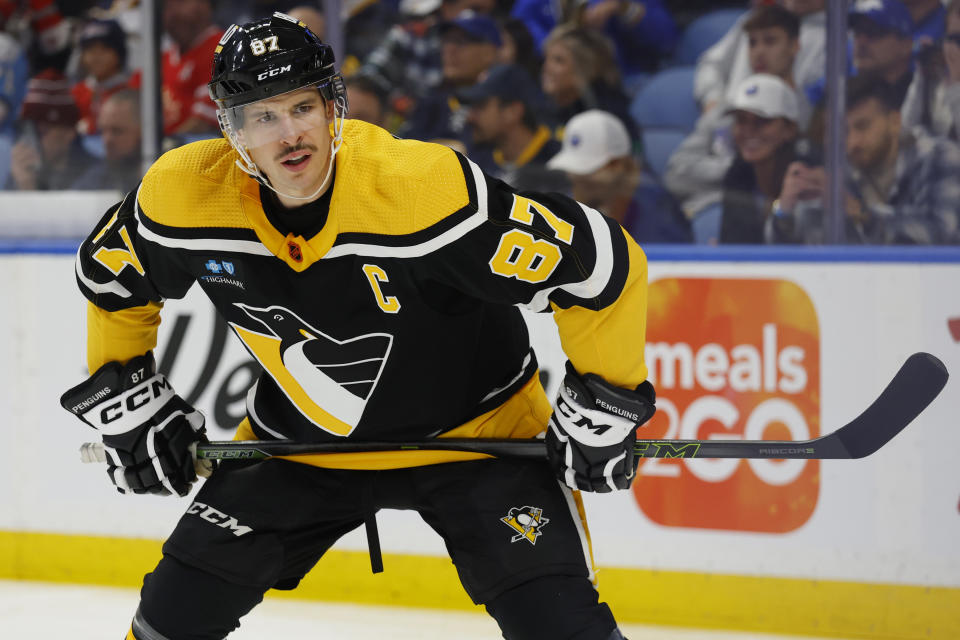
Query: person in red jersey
x=189 y=41
x=103 y=56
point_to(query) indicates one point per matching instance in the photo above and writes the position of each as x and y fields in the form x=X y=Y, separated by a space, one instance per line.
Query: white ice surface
x=42 y=611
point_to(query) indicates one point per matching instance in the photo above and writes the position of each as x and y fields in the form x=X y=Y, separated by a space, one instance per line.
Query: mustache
x=300 y=147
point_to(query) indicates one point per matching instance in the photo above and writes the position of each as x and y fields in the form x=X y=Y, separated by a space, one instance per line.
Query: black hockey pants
x=179 y=602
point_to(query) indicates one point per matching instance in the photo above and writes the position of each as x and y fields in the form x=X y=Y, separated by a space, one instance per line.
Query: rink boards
x=783 y=348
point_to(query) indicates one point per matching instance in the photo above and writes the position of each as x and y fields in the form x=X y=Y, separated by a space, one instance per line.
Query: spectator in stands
x=409 y=58
x=540 y=17
x=368 y=97
x=929 y=20
x=14 y=73
x=470 y=45
x=696 y=169
x=187 y=107
x=103 y=57
x=883 y=43
x=580 y=73
x=47 y=154
x=882 y=34
x=686 y=11
x=902 y=187
x=598 y=159
x=722 y=68
x=642 y=33
x=364 y=29
x=519 y=47
x=49 y=32
x=933 y=100
x=502 y=115
x=312 y=17
x=119 y=125
x=765 y=133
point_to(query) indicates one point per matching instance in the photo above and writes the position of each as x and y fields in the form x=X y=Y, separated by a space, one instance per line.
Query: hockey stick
x=916 y=384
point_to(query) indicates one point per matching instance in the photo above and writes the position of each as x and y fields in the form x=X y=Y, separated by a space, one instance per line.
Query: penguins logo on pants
x=527 y=522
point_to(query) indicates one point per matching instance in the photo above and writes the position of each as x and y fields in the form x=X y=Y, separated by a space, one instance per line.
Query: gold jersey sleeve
x=119 y=336
x=610 y=341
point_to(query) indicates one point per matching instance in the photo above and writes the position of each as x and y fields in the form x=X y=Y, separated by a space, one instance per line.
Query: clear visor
x=283 y=118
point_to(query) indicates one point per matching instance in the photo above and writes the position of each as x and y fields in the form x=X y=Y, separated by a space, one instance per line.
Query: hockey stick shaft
x=914 y=387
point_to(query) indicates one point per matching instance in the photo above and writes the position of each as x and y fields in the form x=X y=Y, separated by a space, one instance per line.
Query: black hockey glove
x=592 y=431
x=148 y=430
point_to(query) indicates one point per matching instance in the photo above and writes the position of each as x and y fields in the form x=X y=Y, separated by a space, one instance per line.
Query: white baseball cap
x=590 y=140
x=767 y=96
x=418 y=7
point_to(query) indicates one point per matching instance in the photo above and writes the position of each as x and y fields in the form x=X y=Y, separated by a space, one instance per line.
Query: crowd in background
x=685 y=121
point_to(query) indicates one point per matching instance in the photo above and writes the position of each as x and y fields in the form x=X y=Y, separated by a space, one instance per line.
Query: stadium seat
x=658 y=145
x=633 y=83
x=666 y=100
x=706 y=224
x=703 y=33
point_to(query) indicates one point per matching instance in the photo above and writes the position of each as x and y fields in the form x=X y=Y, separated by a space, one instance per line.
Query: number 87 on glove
x=592 y=431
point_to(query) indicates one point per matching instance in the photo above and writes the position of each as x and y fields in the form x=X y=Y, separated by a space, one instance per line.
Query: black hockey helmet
x=270 y=57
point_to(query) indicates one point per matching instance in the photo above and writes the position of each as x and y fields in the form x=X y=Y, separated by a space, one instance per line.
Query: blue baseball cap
x=477 y=26
x=888 y=15
x=508 y=82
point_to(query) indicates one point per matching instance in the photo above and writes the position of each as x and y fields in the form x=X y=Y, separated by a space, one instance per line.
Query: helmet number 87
x=260 y=47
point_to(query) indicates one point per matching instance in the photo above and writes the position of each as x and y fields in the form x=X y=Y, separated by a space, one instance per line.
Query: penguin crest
x=340 y=373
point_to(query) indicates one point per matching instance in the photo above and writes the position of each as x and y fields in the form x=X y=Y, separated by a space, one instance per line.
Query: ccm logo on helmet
x=273 y=72
x=152 y=390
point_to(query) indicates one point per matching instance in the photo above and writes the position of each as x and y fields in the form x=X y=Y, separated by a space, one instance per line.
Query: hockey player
x=377 y=282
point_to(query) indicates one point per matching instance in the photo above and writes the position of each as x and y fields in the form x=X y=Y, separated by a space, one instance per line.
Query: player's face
x=757 y=138
x=288 y=137
x=771 y=50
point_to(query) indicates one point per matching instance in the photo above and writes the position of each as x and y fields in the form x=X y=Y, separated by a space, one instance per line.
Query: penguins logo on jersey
x=527 y=522
x=328 y=380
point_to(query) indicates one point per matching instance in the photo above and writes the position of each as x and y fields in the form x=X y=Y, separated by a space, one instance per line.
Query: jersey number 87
x=522 y=256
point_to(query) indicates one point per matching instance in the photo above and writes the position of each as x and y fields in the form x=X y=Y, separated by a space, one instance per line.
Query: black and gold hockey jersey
x=399 y=317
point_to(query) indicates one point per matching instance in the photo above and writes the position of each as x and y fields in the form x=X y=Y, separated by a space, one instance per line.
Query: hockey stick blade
x=919 y=381
x=916 y=384
x=913 y=388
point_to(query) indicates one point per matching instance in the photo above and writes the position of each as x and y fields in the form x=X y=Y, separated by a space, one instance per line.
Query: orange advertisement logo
x=731 y=359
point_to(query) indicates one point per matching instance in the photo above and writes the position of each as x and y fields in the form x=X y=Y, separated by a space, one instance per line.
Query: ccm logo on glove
x=156 y=388
x=592 y=431
x=137 y=404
